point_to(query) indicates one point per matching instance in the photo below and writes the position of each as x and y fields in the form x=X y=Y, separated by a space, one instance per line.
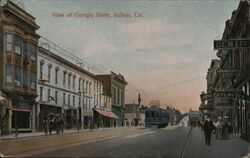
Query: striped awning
x=106 y=113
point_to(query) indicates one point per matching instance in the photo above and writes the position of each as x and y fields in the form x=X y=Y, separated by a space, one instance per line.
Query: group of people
x=219 y=128
x=53 y=122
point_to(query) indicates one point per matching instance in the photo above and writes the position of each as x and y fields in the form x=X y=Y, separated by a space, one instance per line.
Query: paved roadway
x=170 y=142
x=167 y=142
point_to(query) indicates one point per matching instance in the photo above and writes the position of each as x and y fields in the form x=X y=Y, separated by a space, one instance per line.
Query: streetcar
x=156 y=117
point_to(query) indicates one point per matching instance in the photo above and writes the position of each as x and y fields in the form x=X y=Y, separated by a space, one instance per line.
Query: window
x=25 y=50
x=25 y=79
x=73 y=100
x=41 y=68
x=56 y=97
x=86 y=87
x=18 y=76
x=49 y=72
x=33 y=52
x=56 y=75
x=69 y=99
x=89 y=88
x=9 y=42
x=33 y=81
x=48 y=95
x=89 y=103
x=74 y=81
x=18 y=43
x=79 y=88
x=69 y=79
x=64 y=95
x=64 y=77
x=41 y=93
x=9 y=73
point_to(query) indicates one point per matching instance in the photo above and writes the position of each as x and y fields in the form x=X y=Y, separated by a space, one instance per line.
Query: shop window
x=17 y=76
x=9 y=42
x=33 y=81
x=9 y=73
x=18 y=44
x=33 y=52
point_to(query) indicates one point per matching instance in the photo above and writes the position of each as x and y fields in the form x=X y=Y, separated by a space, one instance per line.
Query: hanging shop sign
x=231 y=44
x=231 y=93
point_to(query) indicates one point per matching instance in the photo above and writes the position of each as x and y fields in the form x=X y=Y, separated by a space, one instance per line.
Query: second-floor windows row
x=20 y=77
x=15 y=43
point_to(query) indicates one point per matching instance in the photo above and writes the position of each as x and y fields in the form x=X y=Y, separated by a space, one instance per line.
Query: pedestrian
x=208 y=129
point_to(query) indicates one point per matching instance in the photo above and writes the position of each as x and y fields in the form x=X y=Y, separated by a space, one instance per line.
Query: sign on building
x=231 y=44
x=227 y=93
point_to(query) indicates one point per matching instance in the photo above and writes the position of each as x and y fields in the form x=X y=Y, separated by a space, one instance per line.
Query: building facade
x=67 y=89
x=114 y=85
x=18 y=68
x=234 y=71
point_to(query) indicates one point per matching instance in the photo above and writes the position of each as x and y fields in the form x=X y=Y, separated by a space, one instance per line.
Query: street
x=173 y=141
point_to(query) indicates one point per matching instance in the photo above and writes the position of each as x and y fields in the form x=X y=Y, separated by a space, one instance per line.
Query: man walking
x=208 y=129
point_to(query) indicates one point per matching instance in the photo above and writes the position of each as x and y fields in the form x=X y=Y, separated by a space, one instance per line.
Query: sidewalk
x=68 y=131
x=234 y=147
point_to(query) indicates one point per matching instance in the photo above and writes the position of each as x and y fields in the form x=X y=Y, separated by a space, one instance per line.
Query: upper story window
x=18 y=76
x=64 y=98
x=25 y=78
x=8 y=73
x=79 y=88
x=69 y=79
x=25 y=50
x=41 y=68
x=49 y=71
x=64 y=78
x=33 y=52
x=69 y=99
x=18 y=44
x=9 y=42
x=56 y=74
x=74 y=81
x=41 y=93
x=73 y=100
x=33 y=81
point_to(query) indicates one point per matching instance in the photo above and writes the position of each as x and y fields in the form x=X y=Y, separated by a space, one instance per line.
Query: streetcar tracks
x=186 y=144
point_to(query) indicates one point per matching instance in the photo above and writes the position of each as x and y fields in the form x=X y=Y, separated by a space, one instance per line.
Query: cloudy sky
x=163 y=54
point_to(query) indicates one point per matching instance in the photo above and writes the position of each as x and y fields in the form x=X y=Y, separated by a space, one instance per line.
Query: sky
x=163 y=52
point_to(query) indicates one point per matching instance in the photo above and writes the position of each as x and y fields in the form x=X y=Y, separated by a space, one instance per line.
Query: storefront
x=104 y=118
x=22 y=115
x=45 y=110
x=70 y=118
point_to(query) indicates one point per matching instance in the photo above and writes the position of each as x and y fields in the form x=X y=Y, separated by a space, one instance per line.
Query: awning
x=106 y=113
